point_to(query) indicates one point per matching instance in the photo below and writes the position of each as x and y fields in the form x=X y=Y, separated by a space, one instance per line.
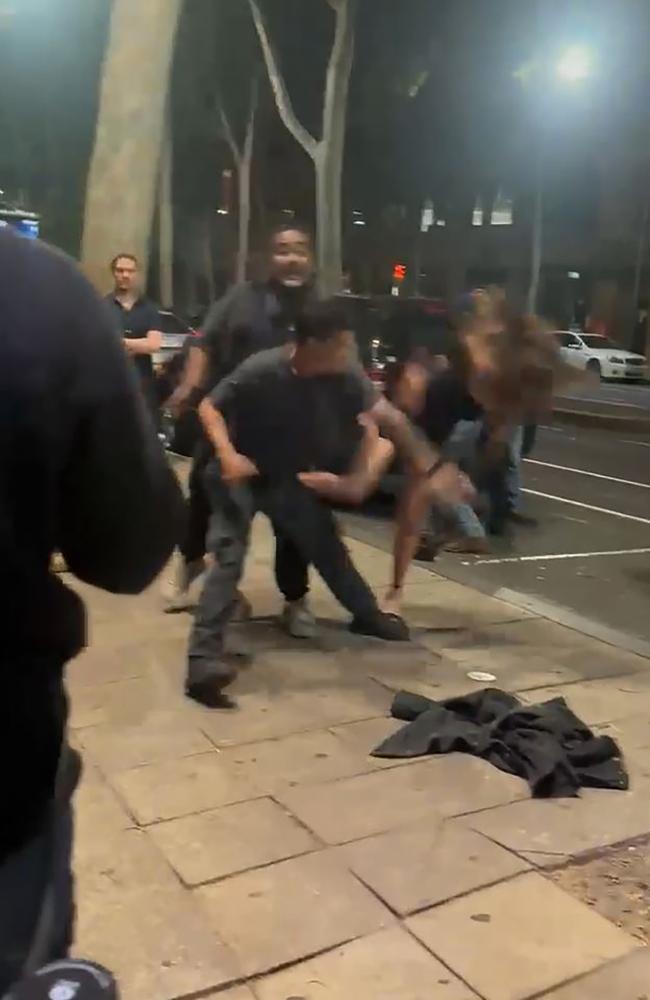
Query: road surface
x=633 y=399
x=590 y=555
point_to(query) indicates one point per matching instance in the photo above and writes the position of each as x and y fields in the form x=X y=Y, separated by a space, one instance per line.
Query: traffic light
x=399 y=272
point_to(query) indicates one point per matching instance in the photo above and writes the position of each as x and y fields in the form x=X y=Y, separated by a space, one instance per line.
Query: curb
x=606 y=421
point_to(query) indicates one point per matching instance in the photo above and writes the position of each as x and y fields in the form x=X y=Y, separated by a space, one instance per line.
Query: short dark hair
x=121 y=256
x=321 y=321
x=289 y=226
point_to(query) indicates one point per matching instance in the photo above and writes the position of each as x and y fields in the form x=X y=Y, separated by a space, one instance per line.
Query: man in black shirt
x=137 y=319
x=82 y=472
x=251 y=317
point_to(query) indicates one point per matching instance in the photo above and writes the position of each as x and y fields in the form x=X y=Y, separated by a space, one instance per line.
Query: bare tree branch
x=280 y=91
x=229 y=136
x=340 y=63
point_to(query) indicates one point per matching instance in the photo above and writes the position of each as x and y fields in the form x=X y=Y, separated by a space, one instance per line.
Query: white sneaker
x=298 y=620
x=176 y=593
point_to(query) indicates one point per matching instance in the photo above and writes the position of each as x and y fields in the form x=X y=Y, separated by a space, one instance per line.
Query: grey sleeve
x=215 y=329
x=121 y=507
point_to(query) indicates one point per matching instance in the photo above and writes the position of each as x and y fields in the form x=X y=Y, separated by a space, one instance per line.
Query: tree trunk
x=166 y=221
x=245 y=168
x=121 y=188
x=532 y=303
x=328 y=229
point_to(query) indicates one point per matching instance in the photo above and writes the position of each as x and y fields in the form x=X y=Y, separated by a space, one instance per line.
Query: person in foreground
x=82 y=472
x=508 y=370
x=290 y=428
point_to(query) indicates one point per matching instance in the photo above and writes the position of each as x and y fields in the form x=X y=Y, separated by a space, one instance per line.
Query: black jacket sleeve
x=121 y=506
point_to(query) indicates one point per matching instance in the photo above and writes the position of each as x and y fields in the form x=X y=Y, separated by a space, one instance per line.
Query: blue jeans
x=36 y=900
x=513 y=472
x=461 y=447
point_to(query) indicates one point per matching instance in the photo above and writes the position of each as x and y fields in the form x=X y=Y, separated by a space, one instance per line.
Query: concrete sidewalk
x=263 y=853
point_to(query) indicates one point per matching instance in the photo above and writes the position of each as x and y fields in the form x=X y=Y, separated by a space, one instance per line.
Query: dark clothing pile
x=546 y=744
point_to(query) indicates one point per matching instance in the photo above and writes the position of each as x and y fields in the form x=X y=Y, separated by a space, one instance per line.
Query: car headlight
x=616 y=361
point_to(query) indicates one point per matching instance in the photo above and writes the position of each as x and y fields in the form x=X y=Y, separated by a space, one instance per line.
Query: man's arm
x=234 y=467
x=144 y=345
x=211 y=341
x=121 y=507
x=410 y=444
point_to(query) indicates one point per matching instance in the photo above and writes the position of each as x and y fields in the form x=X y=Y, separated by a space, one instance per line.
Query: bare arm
x=234 y=467
x=194 y=375
x=410 y=444
x=144 y=345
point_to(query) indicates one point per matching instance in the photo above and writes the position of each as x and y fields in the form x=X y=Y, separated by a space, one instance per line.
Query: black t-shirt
x=134 y=324
x=287 y=423
x=447 y=401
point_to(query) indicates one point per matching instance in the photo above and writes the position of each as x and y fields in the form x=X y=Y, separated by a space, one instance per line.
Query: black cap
x=68 y=980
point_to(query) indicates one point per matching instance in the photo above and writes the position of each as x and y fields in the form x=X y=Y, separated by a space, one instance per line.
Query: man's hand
x=337 y=489
x=450 y=486
x=235 y=468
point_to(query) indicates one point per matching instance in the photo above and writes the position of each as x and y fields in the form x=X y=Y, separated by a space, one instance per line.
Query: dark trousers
x=36 y=900
x=303 y=521
x=291 y=570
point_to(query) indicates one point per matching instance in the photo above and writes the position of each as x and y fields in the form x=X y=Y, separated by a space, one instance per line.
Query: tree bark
x=327 y=153
x=243 y=161
x=121 y=188
x=166 y=220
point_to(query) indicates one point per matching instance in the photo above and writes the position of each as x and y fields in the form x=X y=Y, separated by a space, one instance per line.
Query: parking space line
x=641 y=444
x=588 y=506
x=559 y=555
x=585 y=472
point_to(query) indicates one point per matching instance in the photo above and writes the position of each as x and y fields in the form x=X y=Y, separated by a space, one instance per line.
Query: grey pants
x=296 y=513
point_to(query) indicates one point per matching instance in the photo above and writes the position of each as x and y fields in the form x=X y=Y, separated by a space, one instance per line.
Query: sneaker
x=298 y=620
x=390 y=628
x=210 y=694
x=177 y=591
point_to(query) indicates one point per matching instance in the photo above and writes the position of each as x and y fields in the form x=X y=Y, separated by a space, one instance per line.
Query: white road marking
x=590 y=399
x=588 y=506
x=560 y=555
x=585 y=472
x=641 y=444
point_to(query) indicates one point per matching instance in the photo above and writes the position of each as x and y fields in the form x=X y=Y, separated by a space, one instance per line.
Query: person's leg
x=208 y=672
x=189 y=559
x=460 y=522
x=312 y=527
x=292 y=576
x=36 y=900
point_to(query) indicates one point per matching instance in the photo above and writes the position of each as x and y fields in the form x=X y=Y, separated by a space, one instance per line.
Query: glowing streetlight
x=575 y=64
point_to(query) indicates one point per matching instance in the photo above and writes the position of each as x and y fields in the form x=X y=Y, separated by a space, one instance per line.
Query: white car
x=601 y=356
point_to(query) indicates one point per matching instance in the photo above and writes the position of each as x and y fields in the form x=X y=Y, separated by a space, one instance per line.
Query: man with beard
x=251 y=317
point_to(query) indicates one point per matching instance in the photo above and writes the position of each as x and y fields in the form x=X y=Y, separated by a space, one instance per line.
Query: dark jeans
x=304 y=521
x=291 y=570
x=36 y=900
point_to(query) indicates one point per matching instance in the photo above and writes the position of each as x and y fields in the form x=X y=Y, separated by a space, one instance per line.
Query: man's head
x=291 y=256
x=124 y=268
x=325 y=344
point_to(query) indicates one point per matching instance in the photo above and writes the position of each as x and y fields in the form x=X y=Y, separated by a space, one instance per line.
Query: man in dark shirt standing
x=81 y=472
x=137 y=319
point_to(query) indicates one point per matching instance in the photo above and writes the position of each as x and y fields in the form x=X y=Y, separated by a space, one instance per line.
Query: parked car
x=600 y=355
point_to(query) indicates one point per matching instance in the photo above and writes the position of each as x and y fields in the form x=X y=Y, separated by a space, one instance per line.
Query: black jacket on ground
x=545 y=744
x=81 y=470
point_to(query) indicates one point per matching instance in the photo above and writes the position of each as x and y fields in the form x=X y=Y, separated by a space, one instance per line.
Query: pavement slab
x=417 y=867
x=519 y=938
x=226 y=841
x=290 y=911
x=357 y=807
x=181 y=787
x=389 y=965
x=445 y=604
x=568 y=827
x=626 y=979
x=160 y=735
x=136 y=919
x=605 y=700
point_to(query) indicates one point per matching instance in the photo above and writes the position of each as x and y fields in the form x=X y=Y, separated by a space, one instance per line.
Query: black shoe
x=210 y=694
x=390 y=628
x=523 y=520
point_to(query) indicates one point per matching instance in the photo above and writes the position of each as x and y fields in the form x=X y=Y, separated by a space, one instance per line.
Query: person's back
x=81 y=472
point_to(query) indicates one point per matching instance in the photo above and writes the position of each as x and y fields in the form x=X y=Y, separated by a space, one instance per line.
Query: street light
x=575 y=64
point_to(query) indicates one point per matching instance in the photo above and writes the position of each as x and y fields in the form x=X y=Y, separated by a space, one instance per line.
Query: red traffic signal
x=399 y=272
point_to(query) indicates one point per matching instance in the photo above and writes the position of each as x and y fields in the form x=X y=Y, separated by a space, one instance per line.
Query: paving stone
x=291 y=910
x=136 y=919
x=363 y=737
x=181 y=787
x=418 y=866
x=518 y=938
x=514 y=670
x=308 y=758
x=236 y=993
x=568 y=826
x=359 y=807
x=604 y=700
x=631 y=733
x=121 y=701
x=98 y=813
x=229 y=840
x=389 y=965
x=446 y=604
x=625 y=979
x=161 y=735
x=100 y=664
x=532 y=632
